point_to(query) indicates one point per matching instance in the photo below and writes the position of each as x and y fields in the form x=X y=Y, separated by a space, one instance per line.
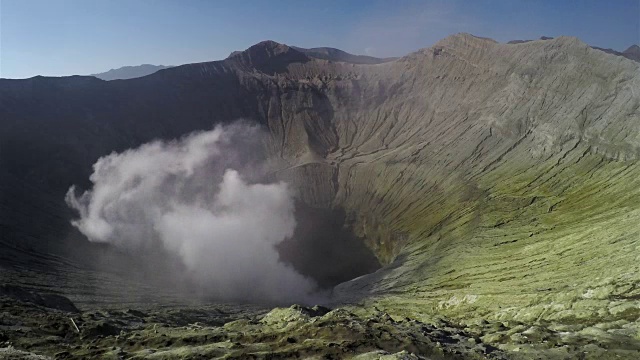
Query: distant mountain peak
x=130 y=72
x=268 y=56
x=271 y=45
x=269 y=49
x=633 y=50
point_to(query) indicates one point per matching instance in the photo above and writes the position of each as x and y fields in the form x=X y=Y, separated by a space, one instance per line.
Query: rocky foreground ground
x=36 y=327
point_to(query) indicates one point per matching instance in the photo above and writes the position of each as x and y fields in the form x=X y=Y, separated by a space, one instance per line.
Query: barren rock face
x=498 y=180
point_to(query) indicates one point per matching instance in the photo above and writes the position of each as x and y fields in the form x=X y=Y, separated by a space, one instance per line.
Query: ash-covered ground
x=41 y=327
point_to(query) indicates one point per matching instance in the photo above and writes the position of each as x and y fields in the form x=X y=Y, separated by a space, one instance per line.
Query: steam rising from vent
x=200 y=199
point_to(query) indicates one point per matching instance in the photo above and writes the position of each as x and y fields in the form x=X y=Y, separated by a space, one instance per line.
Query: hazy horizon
x=72 y=37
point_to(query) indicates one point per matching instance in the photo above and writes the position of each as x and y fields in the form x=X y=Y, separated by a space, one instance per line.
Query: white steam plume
x=197 y=198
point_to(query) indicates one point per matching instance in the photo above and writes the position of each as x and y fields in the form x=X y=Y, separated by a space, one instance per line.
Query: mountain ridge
x=332 y=54
x=632 y=52
x=129 y=72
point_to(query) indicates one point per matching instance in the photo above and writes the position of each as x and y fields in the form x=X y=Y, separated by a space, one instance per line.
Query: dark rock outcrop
x=51 y=301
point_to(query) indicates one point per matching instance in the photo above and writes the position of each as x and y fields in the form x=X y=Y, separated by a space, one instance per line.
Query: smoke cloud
x=201 y=199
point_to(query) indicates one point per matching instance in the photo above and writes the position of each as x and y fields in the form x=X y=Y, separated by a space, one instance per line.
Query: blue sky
x=65 y=37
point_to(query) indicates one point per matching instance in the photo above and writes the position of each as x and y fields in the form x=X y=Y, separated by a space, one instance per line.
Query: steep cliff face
x=493 y=179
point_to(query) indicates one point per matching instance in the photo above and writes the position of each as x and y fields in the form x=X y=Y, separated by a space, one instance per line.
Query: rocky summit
x=496 y=186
